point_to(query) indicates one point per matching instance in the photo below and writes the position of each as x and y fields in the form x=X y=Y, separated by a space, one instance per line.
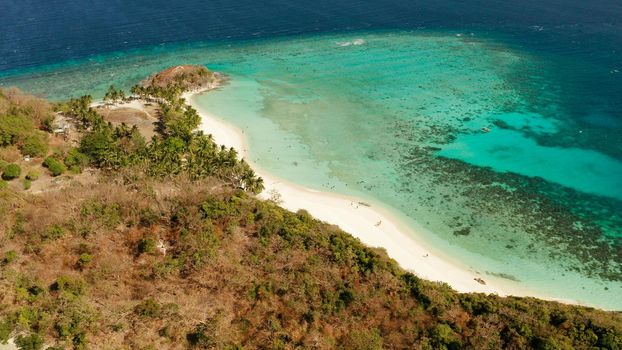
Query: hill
x=167 y=247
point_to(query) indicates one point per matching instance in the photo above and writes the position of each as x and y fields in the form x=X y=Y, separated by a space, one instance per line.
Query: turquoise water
x=397 y=118
x=511 y=151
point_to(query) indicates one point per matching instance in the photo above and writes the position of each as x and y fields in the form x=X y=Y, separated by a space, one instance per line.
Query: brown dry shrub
x=38 y=108
x=10 y=154
x=281 y=291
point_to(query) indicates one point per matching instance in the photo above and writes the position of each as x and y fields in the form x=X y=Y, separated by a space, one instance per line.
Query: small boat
x=480 y=281
x=485 y=129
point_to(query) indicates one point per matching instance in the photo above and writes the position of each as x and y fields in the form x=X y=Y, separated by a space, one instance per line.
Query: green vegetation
x=177 y=149
x=69 y=286
x=9 y=257
x=250 y=274
x=202 y=337
x=83 y=270
x=84 y=261
x=13 y=129
x=113 y=95
x=35 y=145
x=173 y=81
x=30 y=342
x=22 y=118
x=32 y=175
x=80 y=109
x=53 y=232
x=11 y=172
x=76 y=160
x=146 y=246
x=148 y=308
x=55 y=167
x=363 y=340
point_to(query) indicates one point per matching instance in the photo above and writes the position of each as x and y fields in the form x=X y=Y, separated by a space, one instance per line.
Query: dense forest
x=161 y=243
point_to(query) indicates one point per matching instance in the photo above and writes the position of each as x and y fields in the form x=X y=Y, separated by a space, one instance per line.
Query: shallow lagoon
x=397 y=118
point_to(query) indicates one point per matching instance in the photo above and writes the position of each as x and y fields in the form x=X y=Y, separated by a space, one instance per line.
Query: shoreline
x=352 y=215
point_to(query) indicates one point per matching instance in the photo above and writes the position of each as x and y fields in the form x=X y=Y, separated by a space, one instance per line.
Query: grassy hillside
x=169 y=249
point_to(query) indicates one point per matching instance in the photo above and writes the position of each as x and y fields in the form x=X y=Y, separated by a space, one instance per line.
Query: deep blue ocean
x=589 y=33
x=545 y=75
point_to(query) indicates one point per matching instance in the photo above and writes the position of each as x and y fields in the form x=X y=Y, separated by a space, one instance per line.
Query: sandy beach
x=10 y=345
x=373 y=225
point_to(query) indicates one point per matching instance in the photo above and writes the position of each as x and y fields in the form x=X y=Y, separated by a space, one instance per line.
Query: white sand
x=134 y=104
x=400 y=242
x=8 y=346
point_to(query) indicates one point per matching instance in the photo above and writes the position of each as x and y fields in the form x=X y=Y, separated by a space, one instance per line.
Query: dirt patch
x=48 y=182
x=144 y=119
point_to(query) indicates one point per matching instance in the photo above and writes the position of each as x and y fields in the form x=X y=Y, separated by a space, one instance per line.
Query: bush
x=84 y=260
x=31 y=342
x=32 y=175
x=9 y=257
x=100 y=146
x=56 y=168
x=69 y=286
x=53 y=232
x=3 y=184
x=6 y=329
x=146 y=245
x=148 y=217
x=202 y=336
x=76 y=160
x=11 y=172
x=415 y=288
x=148 y=308
x=477 y=304
x=548 y=343
x=3 y=164
x=27 y=289
x=14 y=128
x=108 y=215
x=27 y=184
x=363 y=340
x=443 y=337
x=47 y=124
x=35 y=146
x=74 y=322
x=165 y=332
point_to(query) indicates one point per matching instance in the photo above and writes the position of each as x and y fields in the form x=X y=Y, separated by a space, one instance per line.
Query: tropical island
x=125 y=227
